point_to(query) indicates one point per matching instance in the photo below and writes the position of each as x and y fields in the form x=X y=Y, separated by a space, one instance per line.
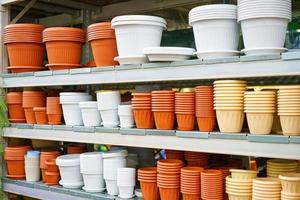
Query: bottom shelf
x=39 y=190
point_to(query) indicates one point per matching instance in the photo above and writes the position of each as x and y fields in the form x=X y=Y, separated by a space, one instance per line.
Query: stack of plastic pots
x=168 y=178
x=290 y=186
x=126 y=181
x=239 y=188
x=260 y=107
x=254 y=15
x=211 y=184
x=25 y=47
x=32 y=166
x=90 y=113
x=76 y=148
x=47 y=155
x=190 y=181
x=40 y=115
x=276 y=167
x=142 y=110
x=174 y=154
x=289 y=109
x=206 y=116
x=15 y=110
x=145 y=30
x=148 y=181
x=185 y=110
x=69 y=168
x=229 y=104
x=54 y=111
x=196 y=159
x=91 y=168
x=216 y=30
x=108 y=102
x=103 y=42
x=14 y=157
x=112 y=160
x=163 y=107
x=63 y=46
x=70 y=105
x=266 y=188
x=51 y=172
x=32 y=99
x=125 y=116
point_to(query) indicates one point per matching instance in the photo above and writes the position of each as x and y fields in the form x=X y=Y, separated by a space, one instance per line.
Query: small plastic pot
x=185 y=122
x=206 y=124
x=164 y=120
x=143 y=118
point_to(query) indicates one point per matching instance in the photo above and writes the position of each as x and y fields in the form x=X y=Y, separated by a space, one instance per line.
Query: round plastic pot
x=185 y=122
x=143 y=118
x=46 y=155
x=169 y=193
x=206 y=124
x=15 y=168
x=91 y=163
x=126 y=192
x=32 y=173
x=93 y=182
x=14 y=97
x=54 y=119
x=30 y=116
x=16 y=111
x=51 y=178
x=150 y=191
x=104 y=51
x=164 y=120
x=51 y=165
x=41 y=117
x=110 y=117
x=126 y=121
x=91 y=116
x=53 y=106
x=72 y=114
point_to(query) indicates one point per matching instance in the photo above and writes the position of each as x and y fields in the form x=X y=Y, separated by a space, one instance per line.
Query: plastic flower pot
x=15 y=109
x=112 y=161
x=110 y=117
x=32 y=173
x=91 y=163
x=173 y=154
x=164 y=120
x=243 y=174
x=150 y=190
x=143 y=118
x=53 y=106
x=260 y=123
x=206 y=124
x=90 y=113
x=108 y=100
x=54 y=119
x=230 y=121
x=108 y=49
x=290 y=182
x=126 y=116
x=52 y=178
x=290 y=124
x=51 y=165
x=93 y=182
x=169 y=193
x=40 y=115
x=126 y=182
x=185 y=122
x=46 y=155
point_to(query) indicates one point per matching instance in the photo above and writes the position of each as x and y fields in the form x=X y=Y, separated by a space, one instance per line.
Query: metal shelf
x=244 y=67
x=233 y=144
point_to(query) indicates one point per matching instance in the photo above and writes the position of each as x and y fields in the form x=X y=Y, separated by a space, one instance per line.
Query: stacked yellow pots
x=266 y=188
x=275 y=167
x=260 y=107
x=290 y=186
x=289 y=109
x=239 y=184
x=229 y=104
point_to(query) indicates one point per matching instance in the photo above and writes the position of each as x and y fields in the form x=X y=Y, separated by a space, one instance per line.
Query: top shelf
x=236 y=67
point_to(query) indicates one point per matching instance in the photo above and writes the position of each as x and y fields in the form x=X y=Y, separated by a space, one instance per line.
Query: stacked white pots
x=126 y=182
x=90 y=113
x=69 y=168
x=264 y=24
x=108 y=103
x=32 y=166
x=145 y=31
x=113 y=160
x=216 y=30
x=126 y=116
x=91 y=168
x=288 y=100
x=70 y=105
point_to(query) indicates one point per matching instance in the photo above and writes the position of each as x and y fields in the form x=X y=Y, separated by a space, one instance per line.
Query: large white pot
x=110 y=118
x=145 y=31
x=69 y=168
x=108 y=100
x=90 y=113
x=93 y=182
x=112 y=161
x=91 y=163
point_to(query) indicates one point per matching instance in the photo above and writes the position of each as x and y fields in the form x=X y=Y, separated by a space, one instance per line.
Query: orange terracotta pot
x=46 y=155
x=169 y=193
x=30 y=116
x=76 y=149
x=52 y=178
x=185 y=122
x=191 y=196
x=54 y=119
x=104 y=51
x=16 y=112
x=206 y=124
x=66 y=52
x=51 y=165
x=25 y=54
x=173 y=154
x=150 y=191
x=34 y=99
x=14 y=97
x=164 y=120
x=53 y=105
x=40 y=115
x=143 y=118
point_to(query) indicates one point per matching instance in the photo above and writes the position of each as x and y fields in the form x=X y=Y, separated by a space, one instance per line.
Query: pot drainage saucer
x=130 y=60
x=93 y=190
x=263 y=51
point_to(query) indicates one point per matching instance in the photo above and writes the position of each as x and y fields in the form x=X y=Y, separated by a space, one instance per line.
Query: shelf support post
x=87 y=20
x=4 y=20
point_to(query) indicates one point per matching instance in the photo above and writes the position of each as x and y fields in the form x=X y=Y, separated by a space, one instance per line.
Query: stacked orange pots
x=15 y=161
x=103 y=42
x=76 y=149
x=54 y=111
x=212 y=184
x=148 y=181
x=40 y=115
x=205 y=113
x=185 y=110
x=196 y=159
x=174 y=154
x=46 y=155
x=15 y=109
x=51 y=172
x=190 y=183
x=141 y=106
x=63 y=46
x=163 y=107
x=25 y=47
x=168 y=178
x=32 y=99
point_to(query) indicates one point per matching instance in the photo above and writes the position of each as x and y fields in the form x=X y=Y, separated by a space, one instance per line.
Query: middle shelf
x=272 y=146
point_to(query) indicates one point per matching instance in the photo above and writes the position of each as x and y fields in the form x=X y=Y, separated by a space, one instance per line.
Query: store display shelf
x=236 y=67
x=39 y=190
x=271 y=146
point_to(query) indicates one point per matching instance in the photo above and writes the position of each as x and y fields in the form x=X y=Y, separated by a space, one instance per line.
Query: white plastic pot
x=168 y=53
x=126 y=192
x=112 y=161
x=93 y=182
x=32 y=173
x=112 y=187
x=126 y=116
x=66 y=97
x=108 y=100
x=69 y=168
x=145 y=31
x=91 y=163
x=126 y=182
x=90 y=113
x=110 y=118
